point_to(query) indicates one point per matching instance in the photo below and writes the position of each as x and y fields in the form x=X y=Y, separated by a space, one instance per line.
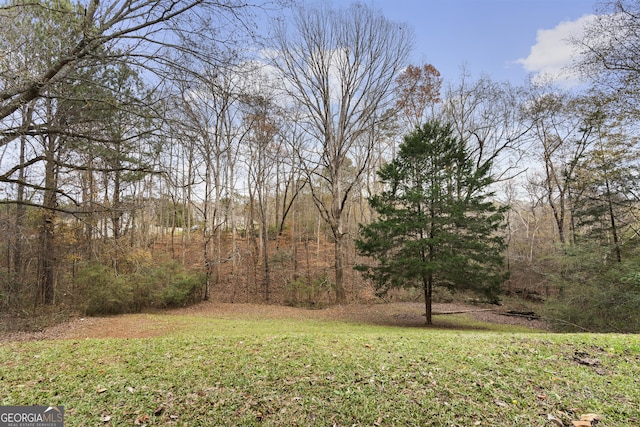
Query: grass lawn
x=283 y=372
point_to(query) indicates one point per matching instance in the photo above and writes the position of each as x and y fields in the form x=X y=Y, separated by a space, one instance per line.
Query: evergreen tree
x=436 y=225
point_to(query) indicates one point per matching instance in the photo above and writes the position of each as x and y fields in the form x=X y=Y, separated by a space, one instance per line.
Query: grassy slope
x=309 y=372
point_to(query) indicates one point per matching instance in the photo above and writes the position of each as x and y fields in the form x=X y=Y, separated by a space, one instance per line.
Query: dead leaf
x=105 y=418
x=584 y=358
x=555 y=420
x=590 y=417
x=587 y=361
x=499 y=403
x=101 y=390
x=141 y=420
x=587 y=420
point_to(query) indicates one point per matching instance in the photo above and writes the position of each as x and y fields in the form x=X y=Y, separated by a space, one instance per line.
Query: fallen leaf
x=141 y=420
x=105 y=418
x=581 y=423
x=555 y=420
x=101 y=390
x=499 y=402
x=542 y=396
x=587 y=361
x=590 y=417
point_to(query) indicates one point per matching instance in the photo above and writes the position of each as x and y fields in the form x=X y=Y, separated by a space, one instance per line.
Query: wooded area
x=157 y=153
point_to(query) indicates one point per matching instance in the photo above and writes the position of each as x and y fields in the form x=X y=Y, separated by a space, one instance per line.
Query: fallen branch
x=546 y=319
x=464 y=311
x=530 y=315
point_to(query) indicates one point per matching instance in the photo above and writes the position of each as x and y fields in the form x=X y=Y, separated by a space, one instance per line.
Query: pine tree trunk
x=427 y=283
x=21 y=213
x=46 y=257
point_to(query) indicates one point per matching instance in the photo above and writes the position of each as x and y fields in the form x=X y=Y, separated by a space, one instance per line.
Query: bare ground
x=404 y=314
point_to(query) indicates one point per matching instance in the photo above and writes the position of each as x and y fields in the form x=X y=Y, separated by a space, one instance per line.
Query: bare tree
x=562 y=140
x=50 y=50
x=152 y=35
x=340 y=65
x=59 y=98
x=209 y=108
x=608 y=52
x=262 y=161
x=487 y=114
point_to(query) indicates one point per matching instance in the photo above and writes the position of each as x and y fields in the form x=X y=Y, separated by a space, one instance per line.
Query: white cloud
x=550 y=57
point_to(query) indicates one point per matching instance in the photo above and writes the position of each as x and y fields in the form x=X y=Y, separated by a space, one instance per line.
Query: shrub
x=102 y=291
x=309 y=293
x=178 y=287
x=597 y=296
x=167 y=285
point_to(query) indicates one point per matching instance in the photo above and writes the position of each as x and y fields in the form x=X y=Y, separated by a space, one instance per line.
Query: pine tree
x=436 y=225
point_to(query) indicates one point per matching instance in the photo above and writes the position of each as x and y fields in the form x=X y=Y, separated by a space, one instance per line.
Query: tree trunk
x=427 y=283
x=206 y=232
x=612 y=219
x=265 y=261
x=339 y=235
x=46 y=256
x=341 y=296
x=558 y=208
x=21 y=212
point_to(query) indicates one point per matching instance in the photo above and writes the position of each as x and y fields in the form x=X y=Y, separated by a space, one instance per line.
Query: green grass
x=211 y=372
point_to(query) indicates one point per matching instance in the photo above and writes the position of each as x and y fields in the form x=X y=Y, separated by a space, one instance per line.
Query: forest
x=159 y=153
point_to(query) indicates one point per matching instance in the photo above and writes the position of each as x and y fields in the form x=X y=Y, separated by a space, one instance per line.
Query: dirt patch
x=147 y=325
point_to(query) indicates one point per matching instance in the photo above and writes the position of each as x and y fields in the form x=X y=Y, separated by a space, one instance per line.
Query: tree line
x=160 y=153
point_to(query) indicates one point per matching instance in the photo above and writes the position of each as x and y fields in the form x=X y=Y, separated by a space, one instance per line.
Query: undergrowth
x=101 y=291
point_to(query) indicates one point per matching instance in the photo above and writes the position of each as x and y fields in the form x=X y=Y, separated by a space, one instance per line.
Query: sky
x=503 y=39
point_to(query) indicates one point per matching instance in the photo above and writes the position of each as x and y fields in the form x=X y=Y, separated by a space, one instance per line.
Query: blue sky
x=489 y=36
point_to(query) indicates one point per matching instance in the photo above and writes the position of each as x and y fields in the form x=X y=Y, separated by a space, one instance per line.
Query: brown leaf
x=587 y=361
x=584 y=358
x=590 y=417
x=555 y=420
x=141 y=420
x=101 y=390
x=499 y=402
x=581 y=423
